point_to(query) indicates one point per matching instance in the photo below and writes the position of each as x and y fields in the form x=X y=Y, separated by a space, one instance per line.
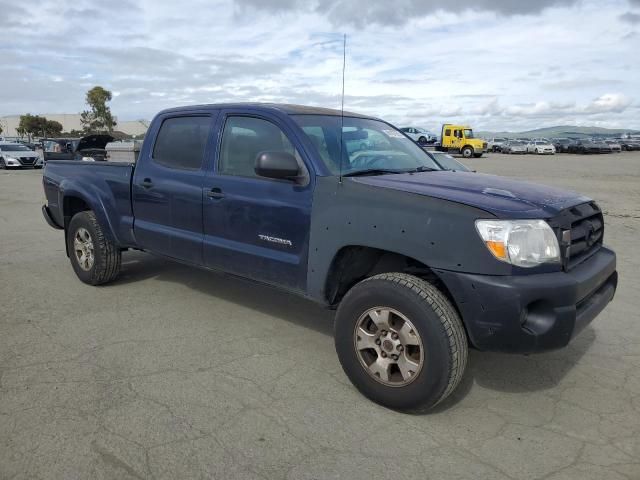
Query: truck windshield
x=368 y=145
x=468 y=133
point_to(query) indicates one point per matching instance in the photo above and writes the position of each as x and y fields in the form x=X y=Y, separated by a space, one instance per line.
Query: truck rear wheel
x=400 y=341
x=95 y=258
x=467 y=152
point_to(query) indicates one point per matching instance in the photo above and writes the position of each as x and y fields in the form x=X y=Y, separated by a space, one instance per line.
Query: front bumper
x=533 y=313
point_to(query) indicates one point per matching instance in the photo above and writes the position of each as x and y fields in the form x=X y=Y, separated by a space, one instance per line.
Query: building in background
x=71 y=121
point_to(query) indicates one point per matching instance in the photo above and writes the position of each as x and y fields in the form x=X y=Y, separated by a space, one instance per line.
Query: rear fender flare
x=95 y=203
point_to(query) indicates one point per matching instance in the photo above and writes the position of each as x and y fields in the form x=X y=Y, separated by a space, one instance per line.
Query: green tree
x=31 y=125
x=35 y=125
x=52 y=128
x=98 y=118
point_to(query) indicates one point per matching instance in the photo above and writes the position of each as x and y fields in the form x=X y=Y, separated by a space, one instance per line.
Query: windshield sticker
x=393 y=134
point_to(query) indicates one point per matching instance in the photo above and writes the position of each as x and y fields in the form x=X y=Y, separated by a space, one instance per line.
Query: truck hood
x=503 y=197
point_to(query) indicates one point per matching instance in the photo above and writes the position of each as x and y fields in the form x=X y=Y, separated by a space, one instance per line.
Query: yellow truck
x=460 y=139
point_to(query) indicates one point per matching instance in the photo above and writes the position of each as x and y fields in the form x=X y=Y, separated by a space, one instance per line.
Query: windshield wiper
x=373 y=171
x=423 y=169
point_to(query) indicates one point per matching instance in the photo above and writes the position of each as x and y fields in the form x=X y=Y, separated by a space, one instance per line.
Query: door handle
x=215 y=193
x=147 y=183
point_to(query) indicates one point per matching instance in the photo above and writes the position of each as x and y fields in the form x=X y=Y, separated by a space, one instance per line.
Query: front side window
x=468 y=133
x=365 y=144
x=246 y=137
x=181 y=142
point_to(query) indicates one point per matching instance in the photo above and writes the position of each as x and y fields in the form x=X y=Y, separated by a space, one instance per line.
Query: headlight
x=524 y=243
x=12 y=161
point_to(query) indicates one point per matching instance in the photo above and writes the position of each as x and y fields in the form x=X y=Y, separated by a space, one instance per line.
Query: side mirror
x=280 y=165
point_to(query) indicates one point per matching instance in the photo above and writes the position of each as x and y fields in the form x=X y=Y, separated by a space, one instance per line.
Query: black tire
x=422 y=140
x=437 y=323
x=467 y=152
x=107 y=255
x=3 y=166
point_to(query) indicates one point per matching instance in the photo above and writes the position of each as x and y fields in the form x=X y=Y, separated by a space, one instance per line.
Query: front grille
x=27 y=160
x=580 y=232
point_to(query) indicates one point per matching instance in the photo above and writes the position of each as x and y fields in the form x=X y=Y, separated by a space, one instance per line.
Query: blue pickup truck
x=420 y=263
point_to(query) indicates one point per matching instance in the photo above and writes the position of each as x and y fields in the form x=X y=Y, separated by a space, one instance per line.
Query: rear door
x=254 y=226
x=167 y=186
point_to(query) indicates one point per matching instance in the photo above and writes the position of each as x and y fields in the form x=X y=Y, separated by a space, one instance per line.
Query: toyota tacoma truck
x=346 y=210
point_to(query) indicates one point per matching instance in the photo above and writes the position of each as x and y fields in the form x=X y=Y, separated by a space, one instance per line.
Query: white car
x=16 y=155
x=419 y=135
x=615 y=146
x=541 y=147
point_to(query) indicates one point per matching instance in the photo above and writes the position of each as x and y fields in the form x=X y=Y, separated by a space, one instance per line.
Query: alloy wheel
x=83 y=248
x=388 y=346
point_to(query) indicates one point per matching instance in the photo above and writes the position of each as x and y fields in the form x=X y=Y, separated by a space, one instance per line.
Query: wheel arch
x=353 y=263
x=74 y=202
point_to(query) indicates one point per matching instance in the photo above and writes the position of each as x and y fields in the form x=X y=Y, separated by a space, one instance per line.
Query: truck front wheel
x=400 y=341
x=95 y=258
x=467 y=152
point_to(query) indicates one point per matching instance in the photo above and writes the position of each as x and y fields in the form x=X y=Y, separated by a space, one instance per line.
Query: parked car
x=419 y=262
x=585 y=146
x=495 y=144
x=541 y=147
x=16 y=155
x=514 y=146
x=562 y=145
x=603 y=145
x=90 y=148
x=31 y=146
x=448 y=162
x=629 y=145
x=614 y=145
x=420 y=135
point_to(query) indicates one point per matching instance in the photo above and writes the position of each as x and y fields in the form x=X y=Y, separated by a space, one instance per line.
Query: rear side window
x=181 y=142
x=244 y=138
x=447 y=132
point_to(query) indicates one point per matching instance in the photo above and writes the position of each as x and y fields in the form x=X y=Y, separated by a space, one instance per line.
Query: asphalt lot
x=173 y=372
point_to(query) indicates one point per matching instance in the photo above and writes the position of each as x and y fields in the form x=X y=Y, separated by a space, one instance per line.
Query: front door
x=167 y=188
x=254 y=226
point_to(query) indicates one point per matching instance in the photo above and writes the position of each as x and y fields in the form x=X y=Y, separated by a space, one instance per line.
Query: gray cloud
x=399 y=12
x=630 y=17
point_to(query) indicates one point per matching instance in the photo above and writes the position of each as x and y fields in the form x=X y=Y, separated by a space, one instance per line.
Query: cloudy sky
x=496 y=64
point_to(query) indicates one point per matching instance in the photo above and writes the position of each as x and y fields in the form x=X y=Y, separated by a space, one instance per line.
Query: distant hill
x=561 y=131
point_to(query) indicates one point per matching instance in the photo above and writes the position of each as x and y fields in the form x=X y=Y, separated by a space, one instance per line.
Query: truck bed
x=106 y=182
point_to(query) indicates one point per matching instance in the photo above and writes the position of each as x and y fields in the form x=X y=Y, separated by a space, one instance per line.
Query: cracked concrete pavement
x=173 y=372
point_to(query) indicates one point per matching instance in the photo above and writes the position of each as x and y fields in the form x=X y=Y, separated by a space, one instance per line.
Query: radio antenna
x=344 y=65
